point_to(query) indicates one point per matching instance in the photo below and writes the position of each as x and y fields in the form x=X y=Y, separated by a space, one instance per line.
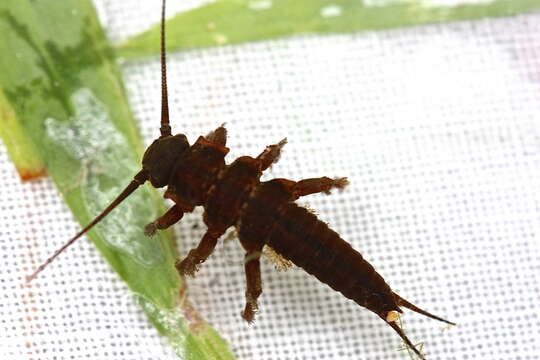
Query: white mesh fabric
x=438 y=130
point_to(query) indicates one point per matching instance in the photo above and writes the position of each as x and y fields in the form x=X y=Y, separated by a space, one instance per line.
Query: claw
x=248 y=314
x=187 y=267
x=150 y=229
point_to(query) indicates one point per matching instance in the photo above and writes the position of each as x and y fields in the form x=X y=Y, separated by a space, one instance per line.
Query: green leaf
x=225 y=22
x=63 y=107
x=21 y=150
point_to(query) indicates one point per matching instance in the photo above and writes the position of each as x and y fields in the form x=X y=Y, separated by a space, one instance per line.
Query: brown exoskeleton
x=264 y=213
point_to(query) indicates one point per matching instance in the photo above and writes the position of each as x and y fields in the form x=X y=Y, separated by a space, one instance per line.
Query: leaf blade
x=62 y=91
x=226 y=22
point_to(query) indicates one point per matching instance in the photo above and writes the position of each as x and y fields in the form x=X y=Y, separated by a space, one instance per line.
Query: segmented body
x=299 y=236
x=264 y=213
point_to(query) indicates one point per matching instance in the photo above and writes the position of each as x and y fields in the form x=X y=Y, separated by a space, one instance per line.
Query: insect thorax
x=195 y=171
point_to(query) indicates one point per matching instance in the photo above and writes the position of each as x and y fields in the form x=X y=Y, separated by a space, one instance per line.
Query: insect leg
x=271 y=154
x=173 y=215
x=316 y=185
x=190 y=264
x=218 y=136
x=252 y=267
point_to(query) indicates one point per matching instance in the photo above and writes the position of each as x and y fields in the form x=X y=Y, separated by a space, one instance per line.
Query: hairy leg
x=271 y=154
x=316 y=185
x=172 y=216
x=218 y=136
x=252 y=267
x=197 y=256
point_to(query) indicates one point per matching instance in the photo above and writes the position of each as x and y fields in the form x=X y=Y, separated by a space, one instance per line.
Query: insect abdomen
x=309 y=243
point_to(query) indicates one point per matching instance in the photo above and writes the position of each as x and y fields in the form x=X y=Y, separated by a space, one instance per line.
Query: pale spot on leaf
x=260 y=5
x=331 y=11
x=220 y=39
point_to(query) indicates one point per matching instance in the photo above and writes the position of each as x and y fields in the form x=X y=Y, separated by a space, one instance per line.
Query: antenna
x=137 y=181
x=165 y=127
x=141 y=176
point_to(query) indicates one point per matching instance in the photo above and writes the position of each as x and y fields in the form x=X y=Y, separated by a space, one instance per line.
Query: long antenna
x=137 y=181
x=165 y=127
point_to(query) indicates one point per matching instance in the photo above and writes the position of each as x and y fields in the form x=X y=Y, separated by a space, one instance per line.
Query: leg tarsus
x=271 y=154
x=190 y=265
x=172 y=216
x=150 y=229
x=316 y=185
x=218 y=136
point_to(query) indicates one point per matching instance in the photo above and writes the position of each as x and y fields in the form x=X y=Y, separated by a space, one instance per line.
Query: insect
x=263 y=213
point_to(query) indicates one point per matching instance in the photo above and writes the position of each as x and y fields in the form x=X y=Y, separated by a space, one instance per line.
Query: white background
x=437 y=128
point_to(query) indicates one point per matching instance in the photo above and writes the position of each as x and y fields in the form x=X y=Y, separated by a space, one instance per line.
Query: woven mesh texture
x=438 y=130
